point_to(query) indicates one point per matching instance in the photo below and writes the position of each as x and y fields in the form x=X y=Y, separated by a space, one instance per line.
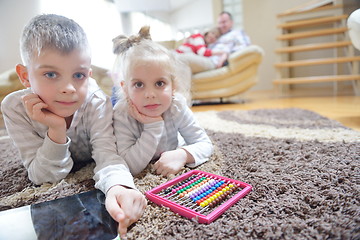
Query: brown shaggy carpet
x=304 y=169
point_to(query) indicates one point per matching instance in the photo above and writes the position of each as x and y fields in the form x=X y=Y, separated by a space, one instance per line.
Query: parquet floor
x=345 y=109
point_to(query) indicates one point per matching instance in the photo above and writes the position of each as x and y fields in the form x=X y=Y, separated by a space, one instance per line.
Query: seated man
x=230 y=41
x=232 y=38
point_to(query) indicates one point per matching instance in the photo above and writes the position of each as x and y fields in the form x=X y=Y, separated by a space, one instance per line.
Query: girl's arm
x=197 y=142
x=136 y=142
x=197 y=148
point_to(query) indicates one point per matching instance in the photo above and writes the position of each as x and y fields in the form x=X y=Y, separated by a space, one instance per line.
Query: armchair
x=235 y=78
x=228 y=81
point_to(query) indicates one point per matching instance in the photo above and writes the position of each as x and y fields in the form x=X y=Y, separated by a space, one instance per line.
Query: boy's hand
x=171 y=162
x=36 y=110
x=134 y=112
x=125 y=206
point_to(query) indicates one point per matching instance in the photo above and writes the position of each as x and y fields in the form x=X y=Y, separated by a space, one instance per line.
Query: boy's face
x=60 y=80
x=150 y=89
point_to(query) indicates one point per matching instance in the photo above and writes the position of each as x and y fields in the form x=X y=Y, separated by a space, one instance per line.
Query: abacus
x=199 y=195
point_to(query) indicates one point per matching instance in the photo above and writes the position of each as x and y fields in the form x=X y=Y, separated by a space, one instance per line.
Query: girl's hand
x=171 y=162
x=134 y=112
x=36 y=109
x=223 y=57
x=125 y=206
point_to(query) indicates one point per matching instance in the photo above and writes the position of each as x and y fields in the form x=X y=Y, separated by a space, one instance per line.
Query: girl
x=151 y=112
x=198 y=43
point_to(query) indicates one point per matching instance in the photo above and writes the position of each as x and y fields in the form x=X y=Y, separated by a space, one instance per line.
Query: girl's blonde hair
x=141 y=50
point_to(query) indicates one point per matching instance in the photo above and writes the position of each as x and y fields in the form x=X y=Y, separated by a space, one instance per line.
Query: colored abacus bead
x=168 y=190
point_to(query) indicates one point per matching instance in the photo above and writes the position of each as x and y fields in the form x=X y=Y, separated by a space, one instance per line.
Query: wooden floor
x=345 y=109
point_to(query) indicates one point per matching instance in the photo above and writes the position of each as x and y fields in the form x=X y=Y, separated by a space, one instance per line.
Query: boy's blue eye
x=50 y=75
x=79 y=76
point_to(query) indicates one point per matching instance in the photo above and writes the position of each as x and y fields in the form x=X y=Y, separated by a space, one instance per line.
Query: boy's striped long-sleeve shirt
x=90 y=136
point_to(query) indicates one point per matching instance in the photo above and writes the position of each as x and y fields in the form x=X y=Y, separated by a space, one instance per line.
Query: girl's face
x=211 y=37
x=150 y=89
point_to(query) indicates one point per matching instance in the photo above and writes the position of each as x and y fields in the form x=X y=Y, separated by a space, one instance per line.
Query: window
x=159 y=30
x=98 y=18
x=235 y=8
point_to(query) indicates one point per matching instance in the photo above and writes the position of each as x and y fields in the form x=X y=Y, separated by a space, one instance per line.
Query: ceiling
x=150 y=5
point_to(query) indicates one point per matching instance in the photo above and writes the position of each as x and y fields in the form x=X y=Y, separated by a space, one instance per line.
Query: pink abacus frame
x=192 y=214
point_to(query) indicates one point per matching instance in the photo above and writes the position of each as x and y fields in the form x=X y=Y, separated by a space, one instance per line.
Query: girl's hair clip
x=122 y=43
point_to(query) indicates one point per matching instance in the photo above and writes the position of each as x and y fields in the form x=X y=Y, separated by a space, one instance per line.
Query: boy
x=63 y=117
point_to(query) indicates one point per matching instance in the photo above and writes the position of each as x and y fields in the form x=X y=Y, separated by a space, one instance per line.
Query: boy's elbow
x=35 y=179
x=210 y=146
x=134 y=171
x=135 y=168
x=47 y=178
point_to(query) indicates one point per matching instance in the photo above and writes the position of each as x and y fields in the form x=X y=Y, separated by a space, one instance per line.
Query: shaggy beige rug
x=304 y=169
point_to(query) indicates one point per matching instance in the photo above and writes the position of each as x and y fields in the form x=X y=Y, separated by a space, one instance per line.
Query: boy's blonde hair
x=50 y=31
x=141 y=50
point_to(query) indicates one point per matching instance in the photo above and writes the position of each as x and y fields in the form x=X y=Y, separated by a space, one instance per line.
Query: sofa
x=228 y=81
x=9 y=82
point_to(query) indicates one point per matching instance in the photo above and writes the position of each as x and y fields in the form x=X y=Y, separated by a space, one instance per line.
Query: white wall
x=260 y=23
x=14 y=15
x=197 y=14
